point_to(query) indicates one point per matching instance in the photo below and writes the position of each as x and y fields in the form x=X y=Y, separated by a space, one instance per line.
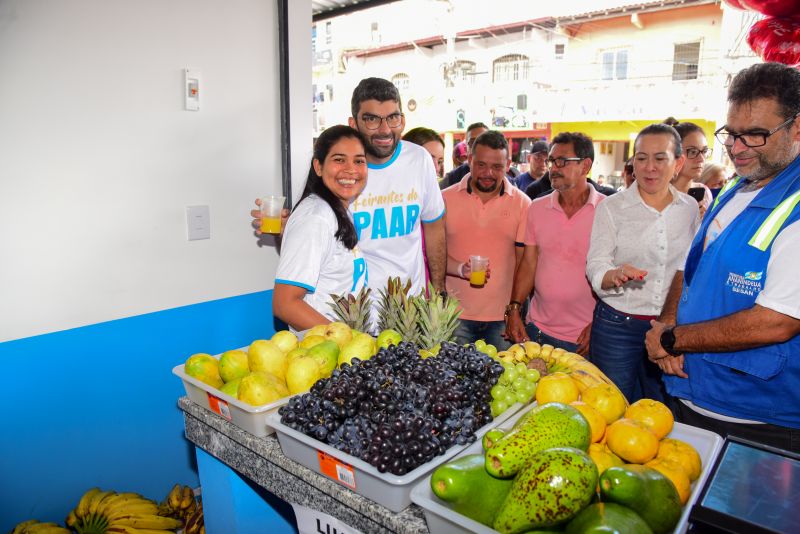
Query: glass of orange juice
x=477 y=275
x=271 y=207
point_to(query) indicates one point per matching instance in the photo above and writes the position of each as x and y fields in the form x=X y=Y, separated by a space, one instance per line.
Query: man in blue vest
x=728 y=338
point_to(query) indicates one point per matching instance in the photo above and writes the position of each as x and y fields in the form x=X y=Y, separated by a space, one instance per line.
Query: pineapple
x=354 y=310
x=438 y=318
x=397 y=310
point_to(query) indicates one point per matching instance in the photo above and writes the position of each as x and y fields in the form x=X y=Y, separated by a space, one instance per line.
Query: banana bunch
x=179 y=503
x=194 y=523
x=34 y=526
x=583 y=372
x=100 y=512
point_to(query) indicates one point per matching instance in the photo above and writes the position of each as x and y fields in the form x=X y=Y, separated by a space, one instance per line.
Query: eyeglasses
x=560 y=162
x=692 y=152
x=373 y=122
x=751 y=140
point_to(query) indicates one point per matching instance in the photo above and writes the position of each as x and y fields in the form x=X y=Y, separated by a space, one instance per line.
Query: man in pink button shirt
x=486 y=216
x=553 y=265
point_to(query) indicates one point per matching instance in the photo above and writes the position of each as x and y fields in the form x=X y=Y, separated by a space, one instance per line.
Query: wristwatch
x=513 y=305
x=668 y=341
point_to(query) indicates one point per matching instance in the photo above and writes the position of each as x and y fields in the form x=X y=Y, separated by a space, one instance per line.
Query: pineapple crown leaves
x=438 y=317
x=353 y=310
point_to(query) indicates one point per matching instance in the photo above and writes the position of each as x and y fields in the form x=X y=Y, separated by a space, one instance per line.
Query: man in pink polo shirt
x=486 y=217
x=553 y=265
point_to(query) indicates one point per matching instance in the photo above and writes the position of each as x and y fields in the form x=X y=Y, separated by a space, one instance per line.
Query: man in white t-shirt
x=402 y=196
x=729 y=333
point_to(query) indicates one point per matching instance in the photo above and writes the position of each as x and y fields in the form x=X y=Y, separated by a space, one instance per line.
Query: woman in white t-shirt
x=319 y=252
x=640 y=237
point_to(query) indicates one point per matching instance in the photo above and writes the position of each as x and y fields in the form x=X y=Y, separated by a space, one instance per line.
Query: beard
x=769 y=167
x=381 y=152
x=485 y=189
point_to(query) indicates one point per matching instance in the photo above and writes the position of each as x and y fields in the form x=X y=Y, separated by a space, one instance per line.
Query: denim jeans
x=490 y=331
x=541 y=338
x=617 y=348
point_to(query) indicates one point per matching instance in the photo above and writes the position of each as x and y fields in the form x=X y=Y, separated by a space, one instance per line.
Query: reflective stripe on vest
x=769 y=228
x=728 y=186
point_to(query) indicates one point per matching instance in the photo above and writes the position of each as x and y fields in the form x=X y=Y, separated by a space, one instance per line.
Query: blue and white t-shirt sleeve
x=433 y=203
x=306 y=244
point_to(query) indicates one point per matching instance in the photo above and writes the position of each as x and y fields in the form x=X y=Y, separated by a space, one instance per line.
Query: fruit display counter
x=261 y=460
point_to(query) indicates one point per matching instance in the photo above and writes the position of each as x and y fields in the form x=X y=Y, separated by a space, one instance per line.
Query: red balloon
x=776 y=39
x=773 y=8
x=735 y=3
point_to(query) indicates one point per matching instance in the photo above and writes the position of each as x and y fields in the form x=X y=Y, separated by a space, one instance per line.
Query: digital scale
x=752 y=489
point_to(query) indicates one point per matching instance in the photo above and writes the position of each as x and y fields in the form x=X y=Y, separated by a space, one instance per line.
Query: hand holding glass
x=477 y=275
x=271 y=207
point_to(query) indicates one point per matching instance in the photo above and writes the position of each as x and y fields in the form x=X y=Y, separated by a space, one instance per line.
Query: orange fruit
x=653 y=414
x=556 y=387
x=607 y=400
x=684 y=454
x=596 y=420
x=603 y=458
x=677 y=475
x=631 y=441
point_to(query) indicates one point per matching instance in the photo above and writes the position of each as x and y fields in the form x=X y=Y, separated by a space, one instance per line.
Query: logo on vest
x=747 y=284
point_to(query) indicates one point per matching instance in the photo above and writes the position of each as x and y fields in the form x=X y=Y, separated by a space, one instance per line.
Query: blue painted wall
x=96 y=406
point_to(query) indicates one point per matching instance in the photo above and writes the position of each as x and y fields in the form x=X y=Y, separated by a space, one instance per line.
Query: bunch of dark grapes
x=397 y=410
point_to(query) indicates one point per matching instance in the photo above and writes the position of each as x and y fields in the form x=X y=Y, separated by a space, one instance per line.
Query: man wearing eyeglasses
x=728 y=336
x=401 y=197
x=553 y=265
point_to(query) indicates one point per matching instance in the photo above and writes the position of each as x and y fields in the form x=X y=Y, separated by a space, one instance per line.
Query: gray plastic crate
x=249 y=418
x=442 y=519
x=389 y=490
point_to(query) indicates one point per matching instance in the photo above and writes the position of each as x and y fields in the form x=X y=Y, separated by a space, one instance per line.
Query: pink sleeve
x=530 y=231
x=523 y=224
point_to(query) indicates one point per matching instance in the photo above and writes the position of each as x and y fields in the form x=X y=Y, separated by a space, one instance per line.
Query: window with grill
x=559 y=51
x=511 y=68
x=401 y=80
x=686 y=62
x=615 y=65
x=465 y=72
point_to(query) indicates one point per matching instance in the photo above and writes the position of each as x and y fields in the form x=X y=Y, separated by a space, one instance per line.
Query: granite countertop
x=261 y=460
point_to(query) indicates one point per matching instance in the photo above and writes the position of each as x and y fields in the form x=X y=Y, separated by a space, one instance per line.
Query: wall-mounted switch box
x=191 y=90
x=198 y=222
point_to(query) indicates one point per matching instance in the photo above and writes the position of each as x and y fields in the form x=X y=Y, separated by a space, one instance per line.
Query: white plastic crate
x=252 y=419
x=442 y=519
x=391 y=491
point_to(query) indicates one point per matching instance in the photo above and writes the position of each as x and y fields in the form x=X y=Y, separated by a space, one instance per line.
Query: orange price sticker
x=219 y=406
x=337 y=470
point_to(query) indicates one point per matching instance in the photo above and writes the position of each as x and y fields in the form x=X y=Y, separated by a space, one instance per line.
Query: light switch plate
x=191 y=90
x=198 y=222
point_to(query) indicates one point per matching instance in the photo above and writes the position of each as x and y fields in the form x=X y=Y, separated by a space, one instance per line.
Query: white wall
x=98 y=159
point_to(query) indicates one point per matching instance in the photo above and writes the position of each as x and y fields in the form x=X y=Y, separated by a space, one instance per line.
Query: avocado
x=645 y=491
x=550 y=425
x=473 y=492
x=553 y=487
x=491 y=437
x=607 y=518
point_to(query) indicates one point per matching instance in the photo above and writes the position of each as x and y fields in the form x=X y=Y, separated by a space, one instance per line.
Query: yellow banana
x=132 y=508
x=97 y=500
x=187 y=497
x=71 y=519
x=82 y=510
x=194 y=521
x=46 y=528
x=147 y=521
x=174 y=497
x=20 y=528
